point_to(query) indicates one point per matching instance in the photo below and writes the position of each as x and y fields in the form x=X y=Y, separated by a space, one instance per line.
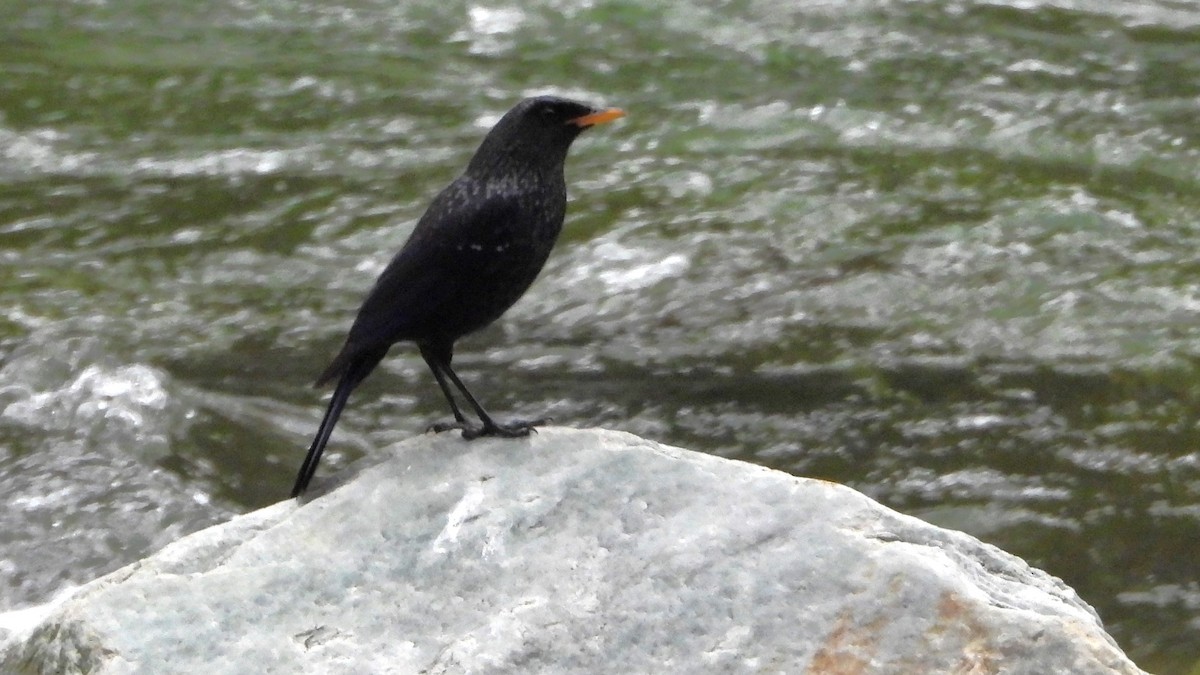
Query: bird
x=478 y=247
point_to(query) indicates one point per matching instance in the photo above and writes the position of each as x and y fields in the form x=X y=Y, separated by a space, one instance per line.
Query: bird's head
x=537 y=132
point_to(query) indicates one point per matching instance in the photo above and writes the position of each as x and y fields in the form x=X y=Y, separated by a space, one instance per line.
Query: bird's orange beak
x=599 y=117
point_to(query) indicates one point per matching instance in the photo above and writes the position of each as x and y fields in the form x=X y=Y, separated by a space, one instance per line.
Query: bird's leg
x=514 y=429
x=460 y=420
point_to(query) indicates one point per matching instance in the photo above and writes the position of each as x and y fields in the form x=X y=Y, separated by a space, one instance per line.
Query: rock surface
x=570 y=552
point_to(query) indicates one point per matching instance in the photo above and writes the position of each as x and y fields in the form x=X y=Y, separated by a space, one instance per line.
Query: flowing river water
x=946 y=252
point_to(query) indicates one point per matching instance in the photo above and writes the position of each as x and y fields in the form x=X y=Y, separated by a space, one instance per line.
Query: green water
x=947 y=253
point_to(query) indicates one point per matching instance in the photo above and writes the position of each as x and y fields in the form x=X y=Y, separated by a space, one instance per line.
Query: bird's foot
x=514 y=429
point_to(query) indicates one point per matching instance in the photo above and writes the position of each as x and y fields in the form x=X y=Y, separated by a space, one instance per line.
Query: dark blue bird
x=479 y=246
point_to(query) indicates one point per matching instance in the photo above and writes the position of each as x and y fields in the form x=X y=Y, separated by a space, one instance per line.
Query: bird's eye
x=548 y=111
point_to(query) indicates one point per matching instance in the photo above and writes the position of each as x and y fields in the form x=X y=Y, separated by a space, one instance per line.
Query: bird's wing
x=418 y=285
x=431 y=266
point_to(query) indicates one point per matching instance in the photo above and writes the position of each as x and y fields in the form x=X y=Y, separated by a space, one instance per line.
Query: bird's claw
x=514 y=429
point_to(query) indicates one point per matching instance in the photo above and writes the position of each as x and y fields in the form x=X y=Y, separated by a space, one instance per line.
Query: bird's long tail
x=332 y=413
x=355 y=371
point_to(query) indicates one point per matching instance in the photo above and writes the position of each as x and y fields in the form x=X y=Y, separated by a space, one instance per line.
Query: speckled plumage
x=475 y=251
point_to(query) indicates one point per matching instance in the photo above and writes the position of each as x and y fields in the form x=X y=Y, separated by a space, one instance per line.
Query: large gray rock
x=574 y=552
